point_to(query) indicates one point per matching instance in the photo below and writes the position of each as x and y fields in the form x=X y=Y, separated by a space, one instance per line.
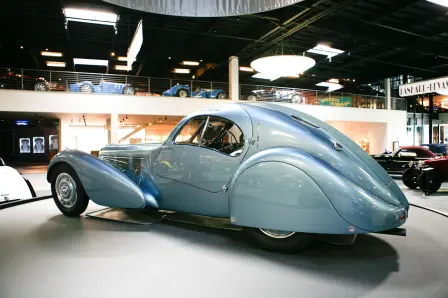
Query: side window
x=405 y=153
x=224 y=136
x=190 y=133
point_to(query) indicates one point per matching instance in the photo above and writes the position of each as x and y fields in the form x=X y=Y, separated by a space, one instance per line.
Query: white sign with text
x=429 y=86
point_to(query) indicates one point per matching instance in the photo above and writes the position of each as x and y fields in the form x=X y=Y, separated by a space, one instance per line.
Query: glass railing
x=95 y=83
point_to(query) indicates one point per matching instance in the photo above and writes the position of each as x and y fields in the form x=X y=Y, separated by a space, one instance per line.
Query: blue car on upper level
x=102 y=87
x=185 y=91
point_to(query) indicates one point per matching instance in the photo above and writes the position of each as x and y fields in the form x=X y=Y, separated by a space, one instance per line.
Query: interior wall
x=85 y=138
x=375 y=133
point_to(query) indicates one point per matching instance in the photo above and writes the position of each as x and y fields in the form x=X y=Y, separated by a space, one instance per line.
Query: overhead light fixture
x=90 y=16
x=193 y=63
x=266 y=76
x=112 y=54
x=295 y=76
x=331 y=86
x=325 y=50
x=282 y=65
x=123 y=67
x=95 y=62
x=181 y=70
x=245 y=68
x=336 y=81
x=136 y=44
x=122 y=58
x=55 y=64
x=169 y=58
x=440 y=2
x=21 y=47
x=51 y=54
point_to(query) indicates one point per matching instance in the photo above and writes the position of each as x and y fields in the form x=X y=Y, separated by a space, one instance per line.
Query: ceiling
x=381 y=38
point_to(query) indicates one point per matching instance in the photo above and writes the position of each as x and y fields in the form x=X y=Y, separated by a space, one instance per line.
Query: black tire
x=81 y=201
x=128 y=91
x=291 y=244
x=182 y=93
x=86 y=88
x=251 y=97
x=410 y=177
x=428 y=182
x=221 y=95
x=40 y=86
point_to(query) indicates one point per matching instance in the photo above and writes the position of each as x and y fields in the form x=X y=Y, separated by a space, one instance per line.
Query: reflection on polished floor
x=44 y=254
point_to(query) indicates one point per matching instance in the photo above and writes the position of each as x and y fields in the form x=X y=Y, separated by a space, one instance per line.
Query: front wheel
x=428 y=182
x=129 y=91
x=40 y=86
x=409 y=178
x=182 y=93
x=280 y=241
x=221 y=96
x=68 y=192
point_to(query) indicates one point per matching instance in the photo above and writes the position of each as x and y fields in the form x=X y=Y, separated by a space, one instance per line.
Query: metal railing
x=314 y=97
x=96 y=83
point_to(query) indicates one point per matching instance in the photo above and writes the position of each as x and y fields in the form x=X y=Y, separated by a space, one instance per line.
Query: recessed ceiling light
x=169 y=57
x=96 y=62
x=112 y=54
x=266 y=76
x=55 y=64
x=122 y=67
x=21 y=47
x=46 y=49
x=331 y=86
x=245 y=68
x=90 y=16
x=181 y=70
x=193 y=63
x=325 y=50
x=51 y=54
x=122 y=58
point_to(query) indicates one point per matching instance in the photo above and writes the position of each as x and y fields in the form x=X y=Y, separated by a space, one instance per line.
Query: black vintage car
x=11 y=80
x=397 y=162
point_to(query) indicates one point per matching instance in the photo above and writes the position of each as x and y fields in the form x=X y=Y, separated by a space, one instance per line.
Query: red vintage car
x=431 y=174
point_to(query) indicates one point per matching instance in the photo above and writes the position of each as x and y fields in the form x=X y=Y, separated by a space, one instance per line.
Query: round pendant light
x=282 y=65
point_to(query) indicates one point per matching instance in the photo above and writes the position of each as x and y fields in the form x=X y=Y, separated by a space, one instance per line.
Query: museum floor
x=45 y=254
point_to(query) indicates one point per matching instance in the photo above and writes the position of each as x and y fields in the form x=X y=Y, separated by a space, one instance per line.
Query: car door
x=205 y=154
x=401 y=159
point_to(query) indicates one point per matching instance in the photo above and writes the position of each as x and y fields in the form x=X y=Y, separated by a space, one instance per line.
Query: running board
x=394 y=232
x=152 y=216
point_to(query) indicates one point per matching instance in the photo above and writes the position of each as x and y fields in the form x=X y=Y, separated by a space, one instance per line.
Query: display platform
x=50 y=255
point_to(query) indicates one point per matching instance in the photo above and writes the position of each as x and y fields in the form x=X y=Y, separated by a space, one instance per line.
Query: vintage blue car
x=184 y=91
x=102 y=87
x=279 y=174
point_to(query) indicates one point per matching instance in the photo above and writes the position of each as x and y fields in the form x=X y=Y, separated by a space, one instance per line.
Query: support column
x=388 y=93
x=234 y=81
x=112 y=129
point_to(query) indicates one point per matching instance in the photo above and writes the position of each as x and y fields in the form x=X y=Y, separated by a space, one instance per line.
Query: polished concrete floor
x=44 y=254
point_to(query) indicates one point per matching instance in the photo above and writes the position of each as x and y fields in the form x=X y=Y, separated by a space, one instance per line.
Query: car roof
x=419 y=149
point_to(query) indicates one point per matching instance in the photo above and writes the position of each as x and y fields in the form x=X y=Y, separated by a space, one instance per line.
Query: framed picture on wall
x=38 y=145
x=24 y=145
x=53 y=141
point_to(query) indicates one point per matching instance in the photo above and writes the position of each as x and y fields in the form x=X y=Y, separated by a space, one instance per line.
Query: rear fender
x=104 y=184
x=300 y=191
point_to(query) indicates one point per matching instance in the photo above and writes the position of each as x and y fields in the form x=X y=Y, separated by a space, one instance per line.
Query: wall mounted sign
x=336 y=101
x=22 y=122
x=429 y=86
x=53 y=142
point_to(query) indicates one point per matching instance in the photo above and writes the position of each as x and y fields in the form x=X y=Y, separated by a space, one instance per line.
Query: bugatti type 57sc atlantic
x=279 y=174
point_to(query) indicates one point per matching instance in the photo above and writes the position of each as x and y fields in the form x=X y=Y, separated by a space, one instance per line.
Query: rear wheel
x=86 y=89
x=428 y=182
x=296 y=99
x=410 y=178
x=280 y=241
x=221 y=96
x=252 y=98
x=68 y=192
x=182 y=93
x=40 y=86
x=129 y=91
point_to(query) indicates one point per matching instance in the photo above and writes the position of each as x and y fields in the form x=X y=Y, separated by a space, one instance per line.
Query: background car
x=13 y=185
x=184 y=91
x=102 y=87
x=282 y=189
x=14 y=81
x=428 y=175
x=397 y=162
x=437 y=149
x=274 y=94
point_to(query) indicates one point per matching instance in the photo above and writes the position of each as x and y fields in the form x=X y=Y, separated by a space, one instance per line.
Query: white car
x=13 y=185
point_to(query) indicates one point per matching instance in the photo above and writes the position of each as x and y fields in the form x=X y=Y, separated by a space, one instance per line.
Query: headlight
x=420 y=164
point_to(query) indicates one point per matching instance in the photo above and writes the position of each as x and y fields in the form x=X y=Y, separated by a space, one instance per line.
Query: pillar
x=112 y=129
x=388 y=92
x=234 y=81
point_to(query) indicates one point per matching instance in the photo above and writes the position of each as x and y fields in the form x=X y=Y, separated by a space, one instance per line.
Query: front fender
x=104 y=184
x=289 y=184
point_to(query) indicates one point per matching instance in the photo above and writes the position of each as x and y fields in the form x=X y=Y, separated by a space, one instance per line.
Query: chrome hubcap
x=85 y=88
x=66 y=190
x=39 y=87
x=183 y=93
x=277 y=233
